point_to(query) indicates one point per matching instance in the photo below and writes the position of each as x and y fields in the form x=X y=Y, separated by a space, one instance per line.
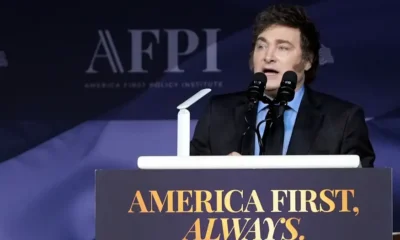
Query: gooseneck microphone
x=286 y=91
x=285 y=94
x=256 y=89
x=255 y=93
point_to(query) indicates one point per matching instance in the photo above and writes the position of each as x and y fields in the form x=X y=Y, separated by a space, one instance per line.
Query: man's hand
x=234 y=154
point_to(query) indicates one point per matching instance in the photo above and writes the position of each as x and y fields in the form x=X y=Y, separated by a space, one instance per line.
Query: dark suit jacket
x=324 y=125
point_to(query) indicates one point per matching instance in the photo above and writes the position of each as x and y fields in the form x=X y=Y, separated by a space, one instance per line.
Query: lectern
x=243 y=197
x=251 y=197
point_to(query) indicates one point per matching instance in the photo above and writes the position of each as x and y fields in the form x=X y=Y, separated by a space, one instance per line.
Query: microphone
x=255 y=93
x=286 y=90
x=256 y=89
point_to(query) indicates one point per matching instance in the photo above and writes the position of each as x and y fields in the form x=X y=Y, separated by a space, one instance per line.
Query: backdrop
x=96 y=85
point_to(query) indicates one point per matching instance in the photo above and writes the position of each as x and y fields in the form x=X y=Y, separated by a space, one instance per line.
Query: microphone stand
x=249 y=127
x=270 y=122
x=282 y=107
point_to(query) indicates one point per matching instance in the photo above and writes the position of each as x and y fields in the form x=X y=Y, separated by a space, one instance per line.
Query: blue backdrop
x=76 y=96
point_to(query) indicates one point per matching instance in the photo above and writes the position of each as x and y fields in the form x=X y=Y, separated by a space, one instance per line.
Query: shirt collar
x=294 y=104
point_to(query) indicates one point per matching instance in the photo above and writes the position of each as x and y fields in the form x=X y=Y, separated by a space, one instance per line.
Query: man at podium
x=284 y=40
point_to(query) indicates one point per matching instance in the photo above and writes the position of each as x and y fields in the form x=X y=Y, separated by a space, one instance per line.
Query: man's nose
x=269 y=56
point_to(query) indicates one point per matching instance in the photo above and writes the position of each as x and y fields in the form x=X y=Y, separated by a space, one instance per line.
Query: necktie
x=274 y=132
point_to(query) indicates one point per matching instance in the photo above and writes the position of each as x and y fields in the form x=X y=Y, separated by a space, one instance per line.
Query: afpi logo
x=143 y=43
x=3 y=59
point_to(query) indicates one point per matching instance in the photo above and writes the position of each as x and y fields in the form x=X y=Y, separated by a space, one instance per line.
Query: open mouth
x=270 y=71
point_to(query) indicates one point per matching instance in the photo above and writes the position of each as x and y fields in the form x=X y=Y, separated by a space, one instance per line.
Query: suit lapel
x=308 y=122
x=246 y=142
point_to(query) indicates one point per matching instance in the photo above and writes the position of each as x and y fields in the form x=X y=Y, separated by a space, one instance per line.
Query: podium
x=245 y=197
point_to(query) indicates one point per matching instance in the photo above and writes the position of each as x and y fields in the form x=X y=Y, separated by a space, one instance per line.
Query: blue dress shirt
x=289 y=120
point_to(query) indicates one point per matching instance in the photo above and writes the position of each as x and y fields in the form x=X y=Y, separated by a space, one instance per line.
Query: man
x=284 y=39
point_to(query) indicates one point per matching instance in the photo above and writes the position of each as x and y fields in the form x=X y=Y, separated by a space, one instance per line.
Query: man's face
x=278 y=50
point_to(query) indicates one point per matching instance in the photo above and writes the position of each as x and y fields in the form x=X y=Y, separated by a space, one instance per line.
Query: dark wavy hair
x=295 y=17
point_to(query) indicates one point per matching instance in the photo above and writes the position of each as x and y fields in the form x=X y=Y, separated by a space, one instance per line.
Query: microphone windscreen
x=259 y=79
x=289 y=79
x=257 y=87
x=287 y=89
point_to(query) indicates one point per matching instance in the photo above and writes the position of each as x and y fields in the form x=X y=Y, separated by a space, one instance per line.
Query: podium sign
x=260 y=204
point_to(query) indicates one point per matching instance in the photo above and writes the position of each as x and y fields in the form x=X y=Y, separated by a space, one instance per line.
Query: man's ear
x=308 y=62
x=307 y=66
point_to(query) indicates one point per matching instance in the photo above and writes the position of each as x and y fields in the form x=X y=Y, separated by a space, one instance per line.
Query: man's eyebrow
x=283 y=41
x=278 y=41
x=262 y=39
